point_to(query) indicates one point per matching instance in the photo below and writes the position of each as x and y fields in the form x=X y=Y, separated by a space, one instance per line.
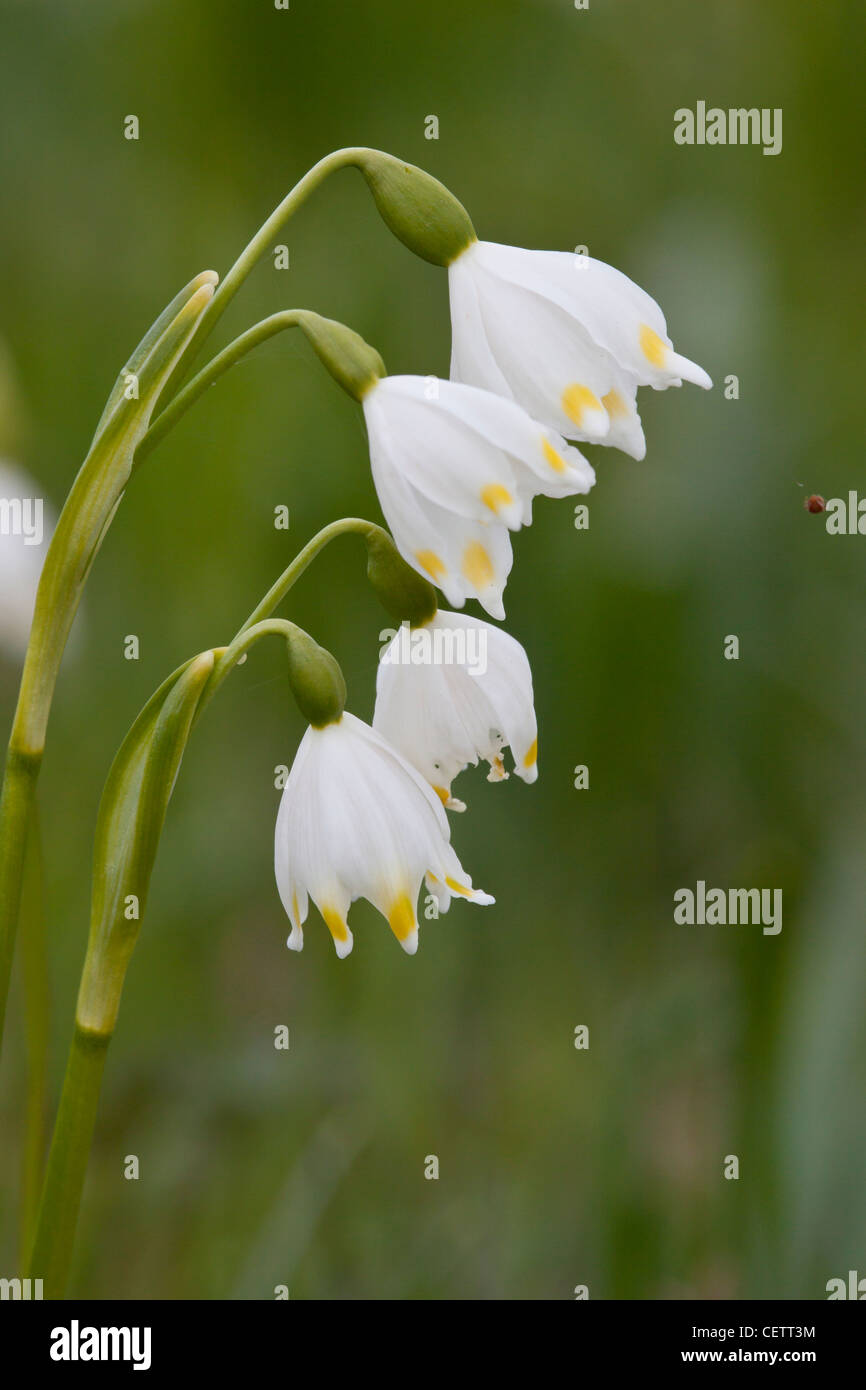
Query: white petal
x=466 y=559
x=619 y=316
x=471 y=697
x=452 y=466
x=356 y=820
x=555 y=370
x=528 y=445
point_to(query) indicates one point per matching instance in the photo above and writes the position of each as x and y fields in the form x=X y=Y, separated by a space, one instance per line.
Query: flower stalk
x=351 y=361
x=419 y=210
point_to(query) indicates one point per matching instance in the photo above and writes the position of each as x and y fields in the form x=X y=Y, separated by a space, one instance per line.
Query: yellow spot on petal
x=614 y=404
x=401 y=917
x=652 y=346
x=430 y=561
x=556 y=461
x=477 y=565
x=458 y=887
x=296 y=916
x=577 y=399
x=531 y=757
x=443 y=794
x=335 y=924
x=494 y=496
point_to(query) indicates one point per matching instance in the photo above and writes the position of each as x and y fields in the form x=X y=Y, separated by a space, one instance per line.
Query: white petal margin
x=358 y=821
x=456 y=468
x=455 y=691
x=566 y=336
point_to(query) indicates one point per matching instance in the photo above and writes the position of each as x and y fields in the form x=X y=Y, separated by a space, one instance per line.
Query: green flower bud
x=316 y=680
x=401 y=591
x=353 y=364
x=417 y=208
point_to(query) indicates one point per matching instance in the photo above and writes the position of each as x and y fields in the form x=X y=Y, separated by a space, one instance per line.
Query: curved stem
x=260 y=244
x=227 y=658
x=217 y=367
x=347 y=525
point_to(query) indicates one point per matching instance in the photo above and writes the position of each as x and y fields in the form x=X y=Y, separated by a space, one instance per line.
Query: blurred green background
x=557 y=1167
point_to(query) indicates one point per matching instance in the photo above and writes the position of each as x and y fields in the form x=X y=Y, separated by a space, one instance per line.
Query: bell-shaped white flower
x=456 y=468
x=25 y=530
x=357 y=821
x=567 y=337
x=453 y=691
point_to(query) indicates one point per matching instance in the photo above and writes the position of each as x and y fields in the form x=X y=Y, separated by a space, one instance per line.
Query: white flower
x=25 y=530
x=356 y=821
x=453 y=691
x=567 y=337
x=456 y=468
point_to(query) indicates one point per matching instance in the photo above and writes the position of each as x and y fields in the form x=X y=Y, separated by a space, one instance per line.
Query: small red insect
x=814 y=503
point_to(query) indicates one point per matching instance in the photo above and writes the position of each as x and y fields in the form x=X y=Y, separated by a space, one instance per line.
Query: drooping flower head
x=357 y=821
x=566 y=336
x=456 y=468
x=453 y=691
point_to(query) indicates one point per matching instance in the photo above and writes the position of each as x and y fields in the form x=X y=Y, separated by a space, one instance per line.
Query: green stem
x=34 y=971
x=70 y=1150
x=17 y=802
x=293 y=572
x=217 y=367
x=260 y=244
x=227 y=658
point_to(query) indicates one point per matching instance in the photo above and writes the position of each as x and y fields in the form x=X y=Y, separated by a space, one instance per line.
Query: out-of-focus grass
x=557 y=1167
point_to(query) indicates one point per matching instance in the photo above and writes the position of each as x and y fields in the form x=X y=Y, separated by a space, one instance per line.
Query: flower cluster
x=548 y=348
